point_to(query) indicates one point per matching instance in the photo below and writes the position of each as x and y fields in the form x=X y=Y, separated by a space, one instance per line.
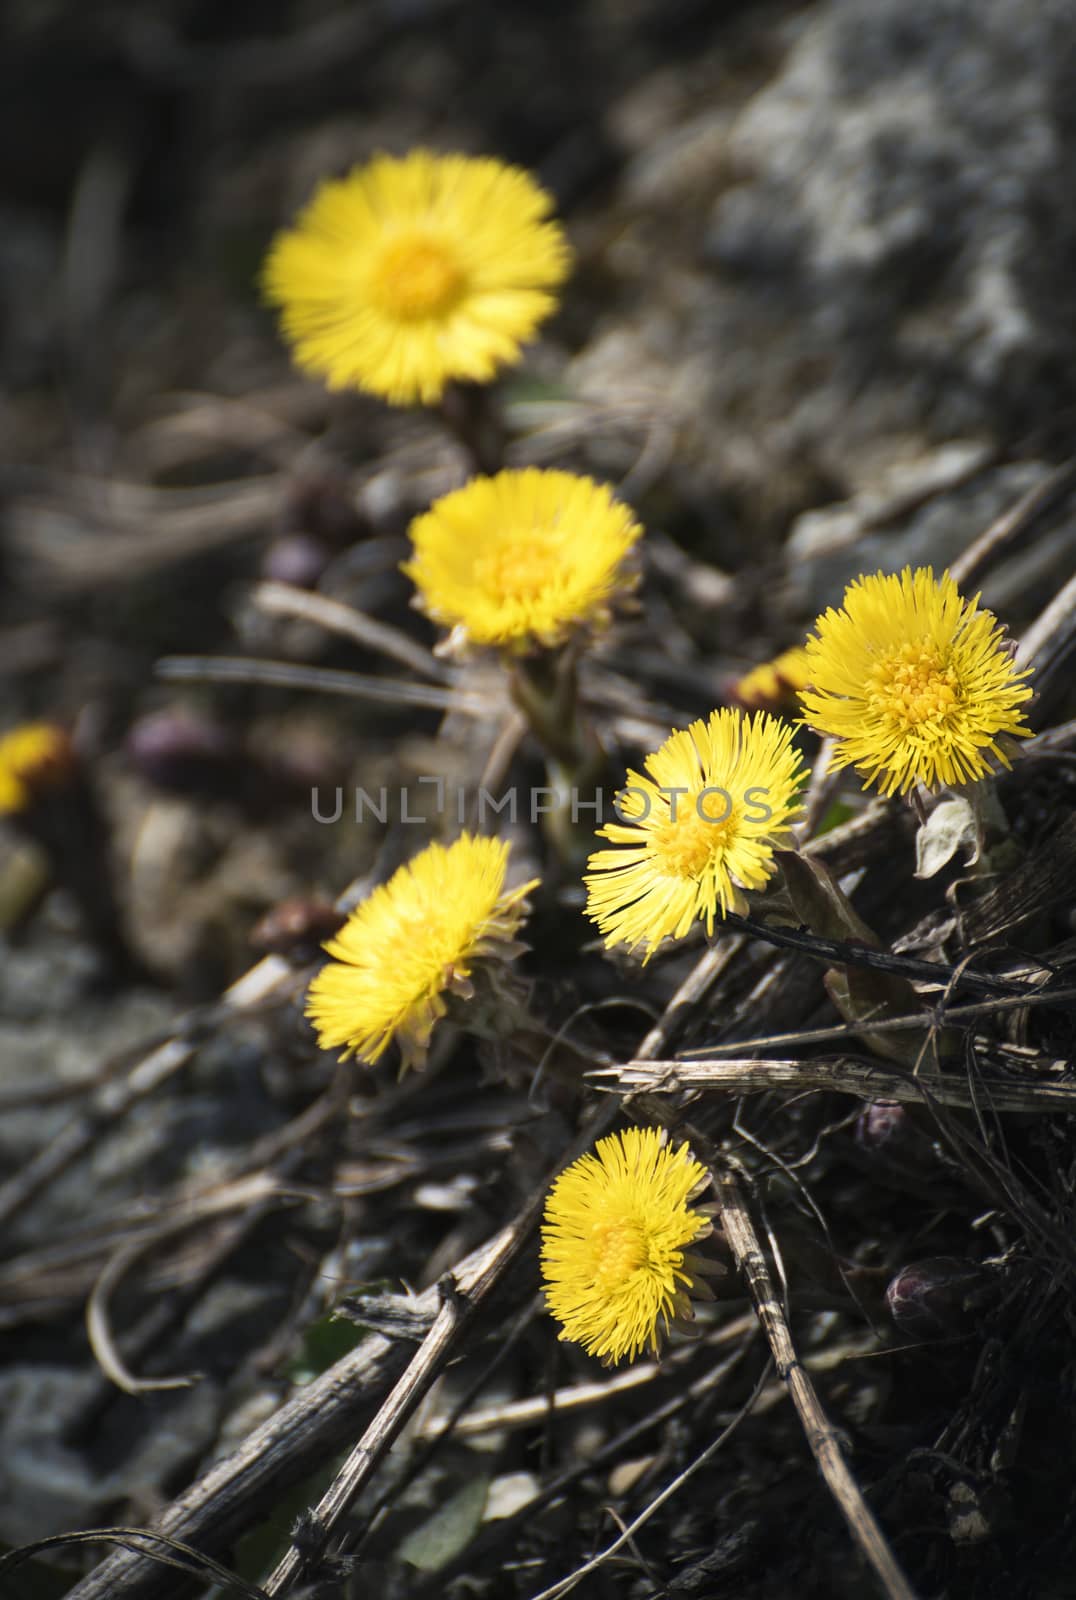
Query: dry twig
x=865 y=1079
x=821 y=1436
x=284 y=600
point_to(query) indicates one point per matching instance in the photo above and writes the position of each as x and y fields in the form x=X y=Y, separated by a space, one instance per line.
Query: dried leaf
x=951 y=826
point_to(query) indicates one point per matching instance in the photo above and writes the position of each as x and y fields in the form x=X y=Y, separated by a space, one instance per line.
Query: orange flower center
x=912 y=686
x=619 y=1249
x=521 y=570
x=417 y=277
x=687 y=845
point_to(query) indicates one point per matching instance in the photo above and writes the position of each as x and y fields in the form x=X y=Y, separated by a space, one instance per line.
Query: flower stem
x=472 y=413
x=68 y=825
x=998 y=850
x=545 y=687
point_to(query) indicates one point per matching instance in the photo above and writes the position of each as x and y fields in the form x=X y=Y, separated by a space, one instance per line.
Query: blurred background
x=824 y=275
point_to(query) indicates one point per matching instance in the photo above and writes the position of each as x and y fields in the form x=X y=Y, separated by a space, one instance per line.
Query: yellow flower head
x=772 y=682
x=700 y=828
x=616 y=1223
x=417 y=270
x=914 y=682
x=523 y=558
x=410 y=944
x=35 y=756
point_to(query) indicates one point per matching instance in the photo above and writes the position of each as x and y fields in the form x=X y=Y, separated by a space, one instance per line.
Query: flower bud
x=937 y=1297
x=882 y=1124
x=182 y=752
x=320 y=505
x=296 y=928
x=898 y=1150
x=298 y=559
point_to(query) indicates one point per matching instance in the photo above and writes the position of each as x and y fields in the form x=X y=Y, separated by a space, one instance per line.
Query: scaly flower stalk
x=46 y=794
x=532 y=563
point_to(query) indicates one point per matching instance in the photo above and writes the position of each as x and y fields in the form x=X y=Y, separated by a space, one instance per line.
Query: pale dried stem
x=844 y=1075
x=322 y=1416
x=823 y=785
x=576 y=1397
x=284 y=600
x=114 y=1099
x=462 y=1294
x=324 y=680
x=824 y=1442
x=245 y=1195
x=1017 y=521
x=1050 y=637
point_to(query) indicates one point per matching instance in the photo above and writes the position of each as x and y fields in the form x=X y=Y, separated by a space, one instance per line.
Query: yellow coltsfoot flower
x=414 y=271
x=412 y=944
x=34 y=757
x=614 y=1265
x=771 y=683
x=700 y=828
x=523 y=558
x=914 y=682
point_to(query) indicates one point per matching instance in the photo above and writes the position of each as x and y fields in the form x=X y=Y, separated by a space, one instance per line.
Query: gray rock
x=921 y=512
x=48 y=1487
x=907 y=193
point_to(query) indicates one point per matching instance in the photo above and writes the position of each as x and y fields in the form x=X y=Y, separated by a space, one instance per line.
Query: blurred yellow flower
x=33 y=756
x=416 y=270
x=914 y=682
x=771 y=682
x=523 y=558
x=410 y=945
x=701 y=828
x=613 y=1260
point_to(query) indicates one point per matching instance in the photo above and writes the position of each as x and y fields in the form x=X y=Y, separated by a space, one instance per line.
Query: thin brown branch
x=566 y=1585
x=246 y=1195
x=824 y=1442
x=849 y=953
x=977 y=1011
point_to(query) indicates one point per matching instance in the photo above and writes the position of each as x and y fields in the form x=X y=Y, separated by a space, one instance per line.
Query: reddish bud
x=937 y=1297
x=899 y=1150
x=296 y=928
x=320 y=504
x=298 y=559
x=183 y=753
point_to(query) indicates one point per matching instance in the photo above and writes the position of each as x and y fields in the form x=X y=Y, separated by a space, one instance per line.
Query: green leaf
x=324 y=1342
x=438 y=1540
x=834 y=815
